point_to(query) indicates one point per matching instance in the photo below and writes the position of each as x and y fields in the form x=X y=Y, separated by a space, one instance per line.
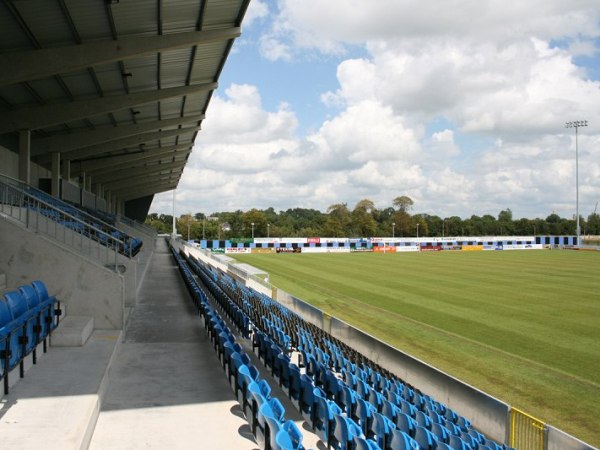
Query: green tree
x=338 y=223
x=403 y=203
x=362 y=218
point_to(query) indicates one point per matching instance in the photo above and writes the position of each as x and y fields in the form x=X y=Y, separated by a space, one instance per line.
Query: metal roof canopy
x=114 y=85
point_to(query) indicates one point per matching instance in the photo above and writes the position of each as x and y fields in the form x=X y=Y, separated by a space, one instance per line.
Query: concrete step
x=56 y=405
x=73 y=331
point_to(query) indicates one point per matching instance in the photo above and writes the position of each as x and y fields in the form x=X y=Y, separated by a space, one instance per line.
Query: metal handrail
x=26 y=187
x=18 y=204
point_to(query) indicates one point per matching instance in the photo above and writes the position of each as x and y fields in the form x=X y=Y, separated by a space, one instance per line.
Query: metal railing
x=44 y=218
x=526 y=432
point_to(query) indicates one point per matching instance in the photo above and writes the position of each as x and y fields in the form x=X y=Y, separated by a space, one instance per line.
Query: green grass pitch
x=523 y=326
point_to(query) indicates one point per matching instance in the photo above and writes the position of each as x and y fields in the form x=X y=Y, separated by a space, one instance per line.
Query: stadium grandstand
x=114 y=337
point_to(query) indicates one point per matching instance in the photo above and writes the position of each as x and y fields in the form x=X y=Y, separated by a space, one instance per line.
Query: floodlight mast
x=576 y=124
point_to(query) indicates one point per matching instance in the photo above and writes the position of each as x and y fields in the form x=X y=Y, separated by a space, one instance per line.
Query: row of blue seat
x=379 y=405
x=130 y=246
x=266 y=415
x=27 y=317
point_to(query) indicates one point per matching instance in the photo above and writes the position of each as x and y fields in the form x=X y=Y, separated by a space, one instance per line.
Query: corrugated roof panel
x=220 y=13
x=12 y=37
x=122 y=116
x=194 y=104
x=90 y=19
x=49 y=90
x=147 y=112
x=135 y=18
x=80 y=83
x=174 y=67
x=17 y=95
x=171 y=107
x=46 y=21
x=110 y=79
x=207 y=62
x=102 y=120
x=143 y=71
x=180 y=15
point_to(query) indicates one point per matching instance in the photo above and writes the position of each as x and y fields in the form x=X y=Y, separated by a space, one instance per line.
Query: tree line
x=364 y=220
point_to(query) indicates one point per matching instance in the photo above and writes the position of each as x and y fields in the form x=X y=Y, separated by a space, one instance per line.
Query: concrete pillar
x=66 y=169
x=88 y=184
x=82 y=180
x=113 y=201
x=55 y=191
x=25 y=156
x=107 y=197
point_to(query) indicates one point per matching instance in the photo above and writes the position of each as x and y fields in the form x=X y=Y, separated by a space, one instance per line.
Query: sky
x=459 y=104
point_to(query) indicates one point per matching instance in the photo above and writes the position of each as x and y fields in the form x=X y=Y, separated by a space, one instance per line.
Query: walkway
x=166 y=386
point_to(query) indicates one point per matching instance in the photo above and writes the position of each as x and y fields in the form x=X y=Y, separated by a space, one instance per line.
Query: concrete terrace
x=159 y=384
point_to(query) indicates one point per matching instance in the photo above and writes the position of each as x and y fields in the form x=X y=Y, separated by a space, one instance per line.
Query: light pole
x=417 y=231
x=268 y=231
x=252 y=230
x=393 y=230
x=576 y=124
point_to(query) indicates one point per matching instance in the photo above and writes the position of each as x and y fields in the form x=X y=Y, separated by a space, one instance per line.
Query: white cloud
x=491 y=72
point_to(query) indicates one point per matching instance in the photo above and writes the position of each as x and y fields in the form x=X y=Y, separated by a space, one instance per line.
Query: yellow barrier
x=526 y=432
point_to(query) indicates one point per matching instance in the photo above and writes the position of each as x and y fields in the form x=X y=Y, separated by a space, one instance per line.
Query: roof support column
x=55 y=190
x=88 y=184
x=107 y=197
x=25 y=156
x=66 y=169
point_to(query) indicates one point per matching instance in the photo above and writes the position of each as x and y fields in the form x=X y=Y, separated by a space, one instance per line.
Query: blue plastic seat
x=425 y=438
x=347 y=400
x=45 y=298
x=306 y=399
x=344 y=431
x=294 y=433
x=423 y=420
x=10 y=348
x=364 y=414
x=381 y=429
x=360 y=443
x=402 y=441
x=457 y=443
x=441 y=432
x=294 y=383
x=283 y=441
x=20 y=312
x=42 y=328
x=406 y=423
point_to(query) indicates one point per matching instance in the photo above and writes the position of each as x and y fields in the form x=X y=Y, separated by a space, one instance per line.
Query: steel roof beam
x=145 y=163
x=141 y=180
x=42 y=63
x=95 y=150
x=34 y=118
x=130 y=173
x=148 y=190
x=135 y=157
x=72 y=141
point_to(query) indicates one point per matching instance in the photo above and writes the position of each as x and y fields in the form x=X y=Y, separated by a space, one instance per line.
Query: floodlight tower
x=576 y=124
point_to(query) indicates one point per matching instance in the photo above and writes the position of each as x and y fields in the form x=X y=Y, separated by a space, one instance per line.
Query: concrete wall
x=88 y=288
x=485 y=412
x=9 y=165
x=559 y=440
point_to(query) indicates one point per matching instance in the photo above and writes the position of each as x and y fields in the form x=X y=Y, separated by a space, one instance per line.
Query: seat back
x=294 y=432
x=30 y=295
x=41 y=290
x=16 y=304
x=402 y=441
x=425 y=438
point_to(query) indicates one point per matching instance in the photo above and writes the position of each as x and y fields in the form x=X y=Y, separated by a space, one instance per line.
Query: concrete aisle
x=166 y=386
